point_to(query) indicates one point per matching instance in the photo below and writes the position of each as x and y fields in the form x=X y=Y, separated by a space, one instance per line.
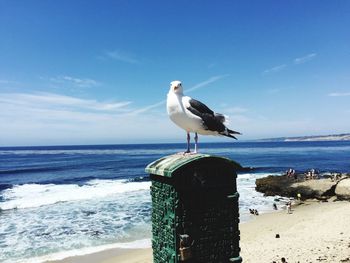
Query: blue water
x=57 y=201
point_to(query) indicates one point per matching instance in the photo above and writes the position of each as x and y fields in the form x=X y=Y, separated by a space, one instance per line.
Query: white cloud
x=206 y=82
x=339 y=94
x=304 y=59
x=46 y=118
x=47 y=126
x=56 y=101
x=274 y=69
x=5 y=81
x=147 y=108
x=121 y=56
x=76 y=82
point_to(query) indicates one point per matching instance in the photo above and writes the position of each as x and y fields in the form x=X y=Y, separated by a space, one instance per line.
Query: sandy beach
x=314 y=232
x=112 y=256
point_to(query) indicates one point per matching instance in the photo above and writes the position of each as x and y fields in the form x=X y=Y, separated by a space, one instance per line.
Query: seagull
x=194 y=116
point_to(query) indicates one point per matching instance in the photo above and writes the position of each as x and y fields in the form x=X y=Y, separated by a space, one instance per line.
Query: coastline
x=142 y=255
x=314 y=231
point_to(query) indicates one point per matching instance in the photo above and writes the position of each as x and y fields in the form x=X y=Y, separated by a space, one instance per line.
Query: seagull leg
x=195 y=143
x=188 y=143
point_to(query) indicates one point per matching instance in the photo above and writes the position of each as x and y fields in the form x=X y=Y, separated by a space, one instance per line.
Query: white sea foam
x=66 y=226
x=35 y=195
x=244 y=176
x=253 y=176
x=249 y=198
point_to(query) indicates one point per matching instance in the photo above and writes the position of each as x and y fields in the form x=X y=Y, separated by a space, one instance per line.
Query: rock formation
x=317 y=188
x=343 y=189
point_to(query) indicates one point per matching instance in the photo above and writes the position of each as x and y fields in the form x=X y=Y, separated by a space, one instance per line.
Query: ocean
x=62 y=201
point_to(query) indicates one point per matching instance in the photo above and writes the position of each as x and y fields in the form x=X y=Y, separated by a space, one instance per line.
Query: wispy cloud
x=305 y=59
x=212 y=65
x=9 y=84
x=149 y=107
x=121 y=56
x=274 y=90
x=77 y=82
x=195 y=87
x=5 y=81
x=57 y=101
x=296 y=61
x=207 y=82
x=339 y=94
x=274 y=69
x=51 y=119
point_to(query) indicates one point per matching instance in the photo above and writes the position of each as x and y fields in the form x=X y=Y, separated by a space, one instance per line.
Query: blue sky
x=91 y=72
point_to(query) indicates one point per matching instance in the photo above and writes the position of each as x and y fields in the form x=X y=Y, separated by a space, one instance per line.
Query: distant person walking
x=289 y=207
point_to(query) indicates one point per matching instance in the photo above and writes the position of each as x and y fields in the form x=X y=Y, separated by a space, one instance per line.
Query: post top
x=165 y=166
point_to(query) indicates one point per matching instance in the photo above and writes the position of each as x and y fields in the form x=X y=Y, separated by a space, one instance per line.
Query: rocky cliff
x=318 y=188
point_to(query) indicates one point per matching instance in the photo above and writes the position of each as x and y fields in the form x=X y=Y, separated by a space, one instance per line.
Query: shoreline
x=130 y=255
x=314 y=231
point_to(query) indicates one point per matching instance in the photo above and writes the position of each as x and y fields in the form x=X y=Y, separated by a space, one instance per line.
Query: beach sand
x=313 y=232
x=112 y=256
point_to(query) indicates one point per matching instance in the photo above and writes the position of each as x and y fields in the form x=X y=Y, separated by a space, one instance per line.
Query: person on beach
x=308 y=175
x=290 y=172
x=253 y=211
x=289 y=207
x=287 y=172
x=274 y=206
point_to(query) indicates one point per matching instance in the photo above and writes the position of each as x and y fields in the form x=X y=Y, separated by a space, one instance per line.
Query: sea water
x=62 y=201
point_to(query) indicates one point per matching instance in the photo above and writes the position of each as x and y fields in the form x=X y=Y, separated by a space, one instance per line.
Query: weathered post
x=194 y=209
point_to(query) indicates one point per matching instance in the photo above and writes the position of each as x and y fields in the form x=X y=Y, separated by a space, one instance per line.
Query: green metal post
x=195 y=213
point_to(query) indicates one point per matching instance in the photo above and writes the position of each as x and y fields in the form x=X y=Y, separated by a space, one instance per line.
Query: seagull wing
x=198 y=108
x=211 y=121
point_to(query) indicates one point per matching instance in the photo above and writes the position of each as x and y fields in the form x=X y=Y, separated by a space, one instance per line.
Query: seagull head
x=176 y=87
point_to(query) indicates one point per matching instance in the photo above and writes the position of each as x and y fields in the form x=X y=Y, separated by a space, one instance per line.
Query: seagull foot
x=183 y=153
x=189 y=153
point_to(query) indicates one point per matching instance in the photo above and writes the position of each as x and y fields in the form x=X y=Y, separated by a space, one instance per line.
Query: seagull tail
x=233 y=132
x=229 y=133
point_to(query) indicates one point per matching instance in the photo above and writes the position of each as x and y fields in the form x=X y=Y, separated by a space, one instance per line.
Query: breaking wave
x=36 y=195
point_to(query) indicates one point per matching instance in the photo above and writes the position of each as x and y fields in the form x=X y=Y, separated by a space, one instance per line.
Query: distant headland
x=331 y=137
